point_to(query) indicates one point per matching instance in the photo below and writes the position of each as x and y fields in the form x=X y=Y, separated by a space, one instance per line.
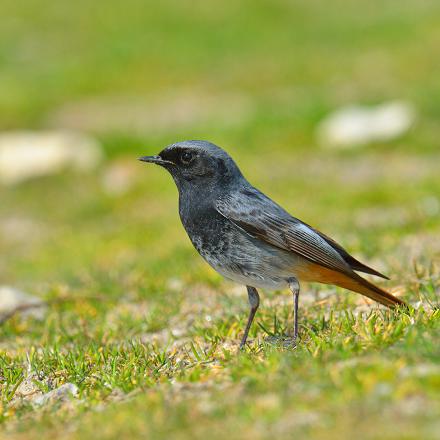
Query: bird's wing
x=349 y=259
x=262 y=218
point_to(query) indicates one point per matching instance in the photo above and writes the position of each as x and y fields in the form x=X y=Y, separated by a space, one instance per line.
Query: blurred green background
x=255 y=77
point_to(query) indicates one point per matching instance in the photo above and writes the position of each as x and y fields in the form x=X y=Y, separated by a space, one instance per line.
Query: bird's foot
x=282 y=341
x=247 y=343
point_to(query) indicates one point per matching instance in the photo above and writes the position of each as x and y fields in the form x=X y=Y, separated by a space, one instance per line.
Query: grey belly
x=247 y=260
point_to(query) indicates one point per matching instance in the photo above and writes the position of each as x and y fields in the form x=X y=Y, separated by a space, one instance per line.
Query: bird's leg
x=254 y=301
x=294 y=287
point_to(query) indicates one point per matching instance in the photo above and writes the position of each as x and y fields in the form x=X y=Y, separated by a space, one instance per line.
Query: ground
x=145 y=330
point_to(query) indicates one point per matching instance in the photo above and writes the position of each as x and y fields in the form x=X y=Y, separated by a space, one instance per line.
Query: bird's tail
x=358 y=284
x=351 y=281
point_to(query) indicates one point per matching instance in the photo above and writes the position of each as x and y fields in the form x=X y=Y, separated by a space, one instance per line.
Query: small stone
x=356 y=125
x=61 y=394
x=27 y=388
x=12 y=299
x=28 y=154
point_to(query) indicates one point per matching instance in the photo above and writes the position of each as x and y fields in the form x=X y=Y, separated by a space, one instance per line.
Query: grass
x=144 y=328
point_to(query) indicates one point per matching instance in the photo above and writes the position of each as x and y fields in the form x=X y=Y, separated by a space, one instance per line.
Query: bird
x=250 y=239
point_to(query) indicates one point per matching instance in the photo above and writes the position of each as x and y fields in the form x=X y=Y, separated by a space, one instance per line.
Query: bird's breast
x=235 y=254
x=209 y=232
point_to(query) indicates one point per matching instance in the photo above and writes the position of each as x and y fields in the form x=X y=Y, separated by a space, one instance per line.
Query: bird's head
x=196 y=163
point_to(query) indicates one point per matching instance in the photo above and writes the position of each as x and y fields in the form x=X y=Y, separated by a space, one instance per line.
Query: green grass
x=144 y=328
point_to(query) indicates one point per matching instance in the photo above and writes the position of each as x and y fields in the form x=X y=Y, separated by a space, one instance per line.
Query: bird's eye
x=186 y=157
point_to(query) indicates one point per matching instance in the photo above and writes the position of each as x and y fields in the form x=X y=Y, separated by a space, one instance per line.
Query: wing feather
x=262 y=218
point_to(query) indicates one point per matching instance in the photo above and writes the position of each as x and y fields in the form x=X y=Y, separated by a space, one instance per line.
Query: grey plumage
x=249 y=238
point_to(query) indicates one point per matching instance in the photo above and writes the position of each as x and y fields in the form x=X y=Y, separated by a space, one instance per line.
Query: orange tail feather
x=352 y=282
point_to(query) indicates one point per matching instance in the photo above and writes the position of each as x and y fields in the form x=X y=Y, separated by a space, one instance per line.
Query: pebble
x=12 y=299
x=61 y=394
x=356 y=125
x=29 y=154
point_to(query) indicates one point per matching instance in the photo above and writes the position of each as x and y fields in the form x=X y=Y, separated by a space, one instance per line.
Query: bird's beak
x=155 y=159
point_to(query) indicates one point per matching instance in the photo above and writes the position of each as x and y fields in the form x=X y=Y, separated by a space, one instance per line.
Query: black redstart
x=248 y=238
